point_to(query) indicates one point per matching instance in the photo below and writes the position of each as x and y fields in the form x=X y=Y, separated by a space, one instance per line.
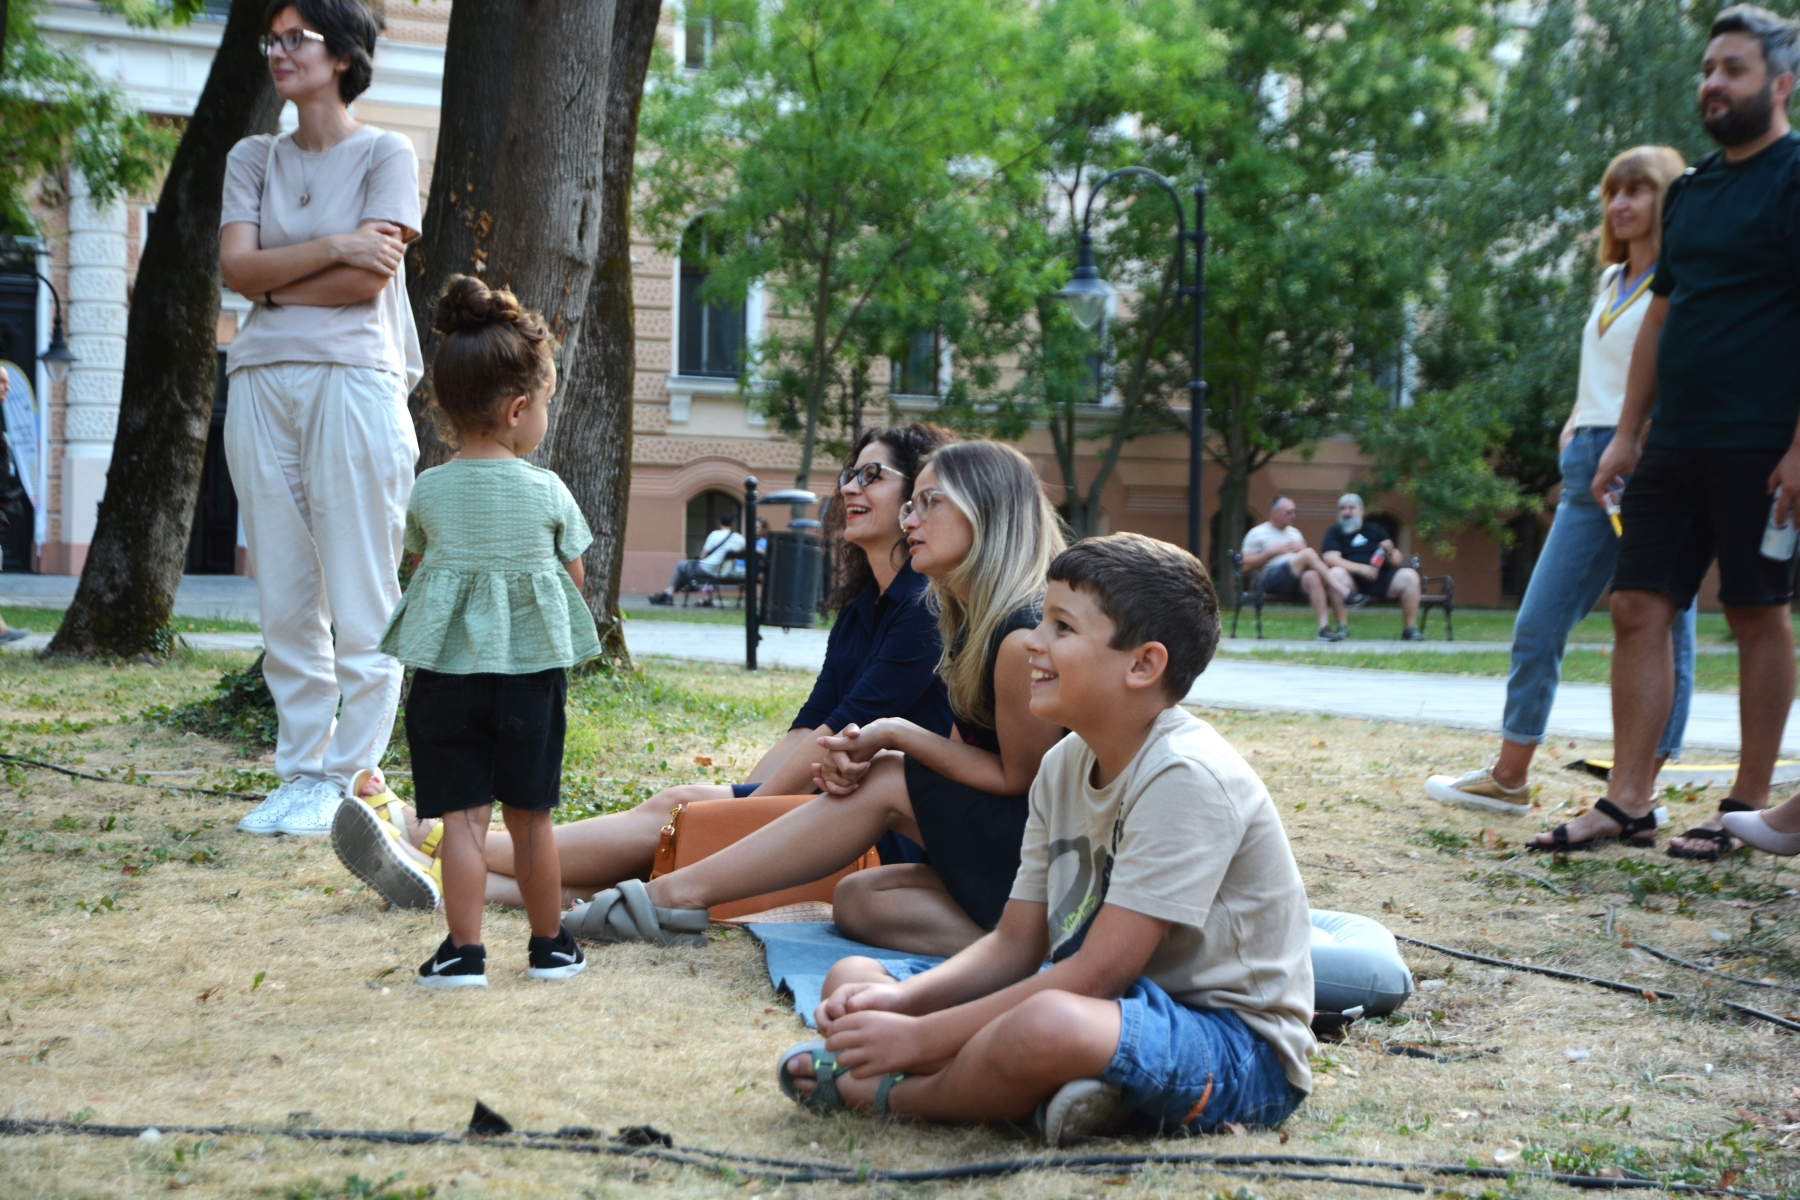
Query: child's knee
x=1053 y=1024
x=856 y=969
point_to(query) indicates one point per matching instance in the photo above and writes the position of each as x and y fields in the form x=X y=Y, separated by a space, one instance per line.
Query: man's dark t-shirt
x=1358 y=547
x=1727 y=370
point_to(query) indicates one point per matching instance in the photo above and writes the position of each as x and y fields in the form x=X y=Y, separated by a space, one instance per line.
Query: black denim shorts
x=1684 y=508
x=476 y=739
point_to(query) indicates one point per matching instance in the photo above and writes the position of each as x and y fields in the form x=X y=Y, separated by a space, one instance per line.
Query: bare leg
x=903 y=907
x=1514 y=763
x=465 y=872
x=539 y=877
x=821 y=836
x=1315 y=589
x=600 y=851
x=1643 y=688
x=1341 y=583
x=1765 y=638
x=1405 y=587
x=1003 y=1073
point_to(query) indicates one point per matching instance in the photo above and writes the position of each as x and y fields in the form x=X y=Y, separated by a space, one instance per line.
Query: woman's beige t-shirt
x=1201 y=847
x=372 y=175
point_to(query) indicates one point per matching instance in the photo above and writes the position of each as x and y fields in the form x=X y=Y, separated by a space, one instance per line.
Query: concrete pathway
x=211 y=597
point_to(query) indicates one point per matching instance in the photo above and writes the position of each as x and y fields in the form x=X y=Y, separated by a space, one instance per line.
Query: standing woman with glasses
x=317 y=434
x=981 y=530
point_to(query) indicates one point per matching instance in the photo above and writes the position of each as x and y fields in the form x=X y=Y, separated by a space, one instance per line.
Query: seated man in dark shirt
x=1361 y=554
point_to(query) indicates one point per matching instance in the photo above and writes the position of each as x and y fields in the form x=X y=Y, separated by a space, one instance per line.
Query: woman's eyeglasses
x=867 y=474
x=289 y=41
x=922 y=504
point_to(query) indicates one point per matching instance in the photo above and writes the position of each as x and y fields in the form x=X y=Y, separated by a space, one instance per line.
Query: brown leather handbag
x=703 y=827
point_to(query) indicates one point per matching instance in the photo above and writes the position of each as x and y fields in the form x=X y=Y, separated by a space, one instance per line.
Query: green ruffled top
x=491 y=595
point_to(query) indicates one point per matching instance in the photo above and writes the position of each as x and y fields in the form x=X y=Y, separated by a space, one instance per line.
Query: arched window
x=712 y=334
x=703 y=513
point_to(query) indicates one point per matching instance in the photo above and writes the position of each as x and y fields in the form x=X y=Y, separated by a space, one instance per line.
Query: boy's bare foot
x=858 y=1094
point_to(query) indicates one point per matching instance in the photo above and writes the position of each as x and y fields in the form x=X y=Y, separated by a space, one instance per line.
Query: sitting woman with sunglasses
x=881 y=660
x=980 y=528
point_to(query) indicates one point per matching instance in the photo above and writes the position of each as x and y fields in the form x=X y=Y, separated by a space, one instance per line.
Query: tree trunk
x=515 y=187
x=591 y=444
x=1234 y=501
x=133 y=567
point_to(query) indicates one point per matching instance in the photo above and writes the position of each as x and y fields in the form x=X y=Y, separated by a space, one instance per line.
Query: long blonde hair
x=1017 y=533
x=1657 y=166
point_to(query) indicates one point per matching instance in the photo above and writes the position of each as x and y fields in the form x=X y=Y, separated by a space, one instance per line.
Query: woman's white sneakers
x=1479 y=789
x=1750 y=829
x=287 y=805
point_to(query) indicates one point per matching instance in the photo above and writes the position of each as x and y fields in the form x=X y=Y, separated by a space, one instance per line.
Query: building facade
x=695 y=436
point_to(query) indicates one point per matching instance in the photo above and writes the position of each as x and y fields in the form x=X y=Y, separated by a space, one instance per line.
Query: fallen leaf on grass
x=208 y=994
x=701 y=761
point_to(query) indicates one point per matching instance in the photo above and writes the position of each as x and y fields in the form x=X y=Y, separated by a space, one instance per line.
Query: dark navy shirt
x=881 y=661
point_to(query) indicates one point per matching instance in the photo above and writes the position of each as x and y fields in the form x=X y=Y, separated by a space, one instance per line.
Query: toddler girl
x=491 y=621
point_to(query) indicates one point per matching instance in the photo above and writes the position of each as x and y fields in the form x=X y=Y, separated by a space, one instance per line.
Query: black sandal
x=1721 y=841
x=1632 y=830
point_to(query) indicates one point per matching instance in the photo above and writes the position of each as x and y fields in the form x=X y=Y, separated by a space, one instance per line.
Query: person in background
x=318 y=436
x=1715 y=377
x=1362 y=555
x=709 y=568
x=1279 y=551
x=6 y=471
x=1576 y=565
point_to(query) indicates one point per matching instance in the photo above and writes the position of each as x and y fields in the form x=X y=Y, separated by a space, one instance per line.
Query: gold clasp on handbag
x=669 y=829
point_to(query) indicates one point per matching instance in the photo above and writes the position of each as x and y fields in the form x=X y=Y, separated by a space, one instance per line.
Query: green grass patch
x=728 y=614
x=239 y=710
x=46 y=620
x=1382 y=622
x=1712 y=672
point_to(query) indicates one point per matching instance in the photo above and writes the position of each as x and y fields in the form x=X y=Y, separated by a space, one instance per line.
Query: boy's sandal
x=625 y=914
x=367 y=847
x=1637 y=832
x=825 y=1096
x=1721 y=839
x=429 y=847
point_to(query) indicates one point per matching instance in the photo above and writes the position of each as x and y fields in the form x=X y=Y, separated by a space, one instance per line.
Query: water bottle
x=1777 y=540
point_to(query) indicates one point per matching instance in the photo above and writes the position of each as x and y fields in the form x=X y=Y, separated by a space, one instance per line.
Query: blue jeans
x=1576 y=566
x=1182 y=1068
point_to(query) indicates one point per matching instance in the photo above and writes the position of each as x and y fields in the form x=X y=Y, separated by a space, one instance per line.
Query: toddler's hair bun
x=469 y=306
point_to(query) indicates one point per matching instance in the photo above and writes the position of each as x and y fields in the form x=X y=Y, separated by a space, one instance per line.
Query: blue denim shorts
x=1182 y=1068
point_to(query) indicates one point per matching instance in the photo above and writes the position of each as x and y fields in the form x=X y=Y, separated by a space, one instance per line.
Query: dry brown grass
x=149 y=1011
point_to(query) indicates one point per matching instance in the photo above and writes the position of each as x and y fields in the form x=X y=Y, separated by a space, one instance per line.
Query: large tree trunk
x=171 y=362
x=1234 y=502
x=590 y=446
x=515 y=187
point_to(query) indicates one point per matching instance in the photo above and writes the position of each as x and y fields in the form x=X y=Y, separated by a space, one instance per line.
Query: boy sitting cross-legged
x=1155 y=877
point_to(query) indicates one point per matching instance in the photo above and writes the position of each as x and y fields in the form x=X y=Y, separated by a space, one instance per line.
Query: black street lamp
x=1086 y=295
x=57 y=356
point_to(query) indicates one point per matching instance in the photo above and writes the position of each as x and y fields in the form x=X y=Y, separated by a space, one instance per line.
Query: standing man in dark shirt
x=1715 y=374
x=1361 y=554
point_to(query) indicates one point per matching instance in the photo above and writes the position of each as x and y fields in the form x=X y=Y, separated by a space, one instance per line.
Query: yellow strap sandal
x=369 y=847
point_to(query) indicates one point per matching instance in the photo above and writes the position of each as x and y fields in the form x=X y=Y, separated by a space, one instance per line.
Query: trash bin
x=792 y=575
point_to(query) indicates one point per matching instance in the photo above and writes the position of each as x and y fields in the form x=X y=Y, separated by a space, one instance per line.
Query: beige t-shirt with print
x=372 y=175
x=1201 y=847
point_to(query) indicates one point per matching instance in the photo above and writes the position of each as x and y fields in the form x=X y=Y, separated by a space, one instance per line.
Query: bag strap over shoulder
x=1678 y=186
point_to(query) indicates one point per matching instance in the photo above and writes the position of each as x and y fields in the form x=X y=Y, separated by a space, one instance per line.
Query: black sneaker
x=1356 y=599
x=1409 y=634
x=455 y=967
x=554 y=958
x=1329 y=635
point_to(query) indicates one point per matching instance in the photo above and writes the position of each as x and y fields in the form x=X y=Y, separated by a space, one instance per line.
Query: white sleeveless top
x=1606 y=351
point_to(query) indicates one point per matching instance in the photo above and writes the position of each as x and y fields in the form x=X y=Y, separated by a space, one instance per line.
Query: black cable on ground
x=1694 y=966
x=16 y=761
x=584 y=1141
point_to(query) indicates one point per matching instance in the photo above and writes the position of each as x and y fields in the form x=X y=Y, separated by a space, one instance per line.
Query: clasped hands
x=850 y=752
x=866 y=1029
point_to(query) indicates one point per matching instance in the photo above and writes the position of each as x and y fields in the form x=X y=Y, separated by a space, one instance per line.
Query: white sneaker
x=1081 y=1108
x=313 y=814
x=1479 y=789
x=265 y=819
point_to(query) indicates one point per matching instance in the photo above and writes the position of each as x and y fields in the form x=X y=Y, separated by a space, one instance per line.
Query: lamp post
x=57 y=356
x=1087 y=294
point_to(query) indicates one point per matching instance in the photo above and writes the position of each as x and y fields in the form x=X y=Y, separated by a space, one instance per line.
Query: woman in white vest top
x=1576 y=565
x=317 y=434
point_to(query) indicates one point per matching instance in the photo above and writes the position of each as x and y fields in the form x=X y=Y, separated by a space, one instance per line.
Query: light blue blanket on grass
x=1357 y=968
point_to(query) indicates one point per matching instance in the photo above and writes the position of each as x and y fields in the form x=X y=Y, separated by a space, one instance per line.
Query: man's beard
x=1744 y=120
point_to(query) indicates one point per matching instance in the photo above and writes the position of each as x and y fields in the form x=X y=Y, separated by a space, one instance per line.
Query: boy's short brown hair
x=1152 y=592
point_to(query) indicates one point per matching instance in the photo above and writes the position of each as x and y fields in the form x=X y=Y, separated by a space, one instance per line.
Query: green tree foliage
x=845 y=153
x=1499 y=356
x=54 y=111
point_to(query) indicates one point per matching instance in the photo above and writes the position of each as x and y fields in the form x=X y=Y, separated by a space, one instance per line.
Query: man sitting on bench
x=1360 y=552
x=1279 y=551
x=691 y=573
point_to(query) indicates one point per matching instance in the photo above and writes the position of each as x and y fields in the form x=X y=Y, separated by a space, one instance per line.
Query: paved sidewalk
x=212 y=597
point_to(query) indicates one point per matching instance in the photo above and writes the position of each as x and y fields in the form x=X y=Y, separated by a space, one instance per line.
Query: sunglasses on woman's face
x=867 y=474
x=290 y=41
x=922 y=503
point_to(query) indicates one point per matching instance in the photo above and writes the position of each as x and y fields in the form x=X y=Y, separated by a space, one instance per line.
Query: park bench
x=733 y=578
x=1250 y=590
